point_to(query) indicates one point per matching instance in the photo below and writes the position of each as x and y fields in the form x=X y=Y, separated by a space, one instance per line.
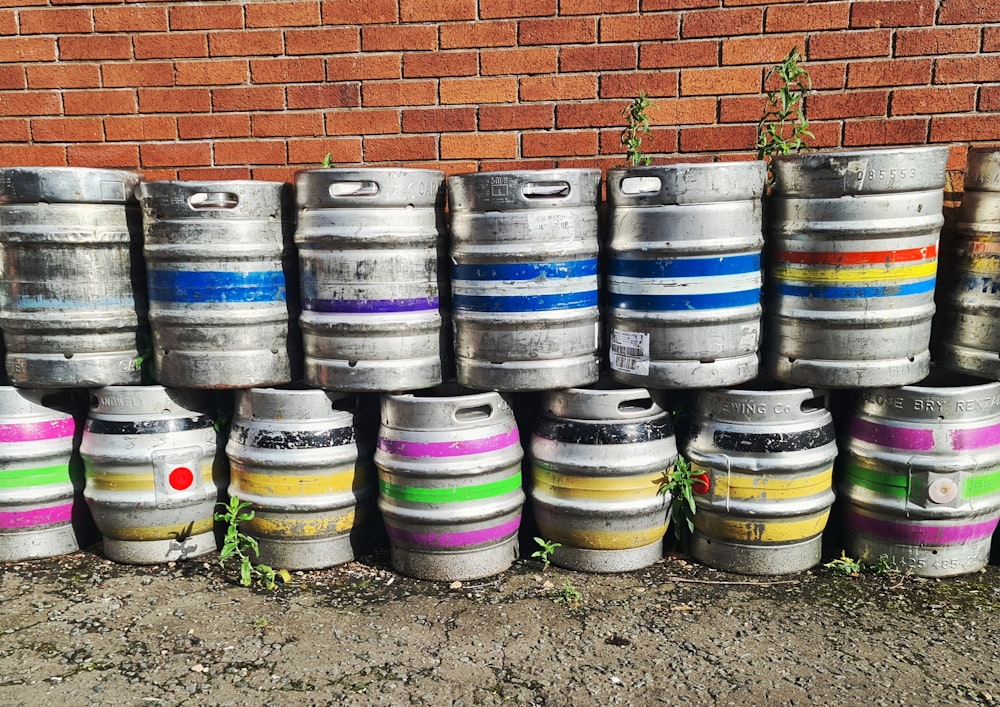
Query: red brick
x=639 y=28
x=933 y=42
x=577 y=30
x=198 y=127
x=589 y=115
x=439 y=120
x=99 y=102
x=324 y=95
x=479 y=90
x=557 y=88
x=359 y=12
x=516 y=117
x=852 y=104
x=174 y=100
x=283 y=173
x=508 y=165
x=597 y=7
x=400 y=149
x=718 y=137
x=436 y=10
x=964 y=128
x=29 y=103
x=287 y=70
x=323 y=40
x=759 y=50
x=398 y=38
x=811 y=17
x=520 y=62
x=848 y=45
x=651 y=5
x=364 y=67
x=957 y=12
x=175 y=154
x=95 y=47
x=265 y=42
x=21 y=49
x=682 y=111
x=250 y=152
x=8 y=22
x=130 y=19
x=12 y=77
x=559 y=143
x=310 y=152
x=215 y=72
x=901 y=131
x=287 y=124
x=63 y=76
x=214 y=16
x=825 y=76
x=716 y=82
x=922 y=101
x=138 y=73
x=973 y=69
x=282 y=14
x=892 y=13
x=378 y=94
x=491 y=9
x=56 y=21
x=176 y=45
x=679 y=54
x=722 y=23
x=597 y=58
x=659 y=141
x=15 y=130
x=478 y=146
x=894 y=72
x=41 y=155
x=991 y=39
x=104 y=156
x=741 y=109
x=628 y=85
x=140 y=128
x=431 y=64
x=67 y=130
x=478 y=34
x=989 y=99
x=248 y=98
x=214 y=174
x=363 y=122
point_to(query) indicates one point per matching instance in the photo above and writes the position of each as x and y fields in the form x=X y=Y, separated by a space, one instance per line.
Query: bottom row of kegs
x=918 y=476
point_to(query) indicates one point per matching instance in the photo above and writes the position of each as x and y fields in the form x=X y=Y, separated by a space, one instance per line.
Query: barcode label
x=630 y=352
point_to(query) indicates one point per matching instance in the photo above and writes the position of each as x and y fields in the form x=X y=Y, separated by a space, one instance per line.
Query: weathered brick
x=849 y=45
x=512 y=165
x=175 y=45
x=13 y=77
x=267 y=42
x=741 y=109
x=309 y=150
x=250 y=152
x=213 y=16
x=214 y=174
x=104 y=156
x=592 y=114
x=628 y=85
x=516 y=117
x=299 y=13
x=435 y=64
x=520 y=62
x=492 y=9
x=478 y=34
x=398 y=38
x=575 y=30
x=322 y=40
x=560 y=143
x=722 y=23
x=639 y=28
x=400 y=148
x=478 y=146
x=557 y=88
x=30 y=103
x=478 y=90
x=111 y=46
x=718 y=137
x=380 y=94
x=175 y=100
x=759 y=50
x=682 y=54
x=965 y=128
x=297 y=70
x=830 y=75
x=895 y=72
x=436 y=10
x=973 y=69
x=597 y=58
x=892 y=13
x=99 y=102
x=937 y=99
x=362 y=122
x=896 y=131
x=359 y=12
x=21 y=49
x=716 y=82
x=825 y=133
x=683 y=111
x=215 y=72
x=281 y=173
x=67 y=130
x=661 y=141
x=198 y=127
x=248 y=98
x=325 y=95
x=439 y=120
x=991 y=39
x=130 y=19
x=15 y=130
x=653 y=5
x=140 y=128
x=808 y=18
x=65 y=20
x=287 y=124
x=849 y=104
x=41 y=155
x=137 y=73
x=364 y=67
x=957 y=12
x=934 y=42
x=63 y=75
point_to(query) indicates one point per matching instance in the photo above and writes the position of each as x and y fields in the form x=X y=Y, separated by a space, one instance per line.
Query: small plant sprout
x=846 y=566
x=568 y=595
x=544 y=553
x=885 y=565
x=783 y=128
x=680 y=483
x=328 y=161
x=237 y=544
x=636 y=126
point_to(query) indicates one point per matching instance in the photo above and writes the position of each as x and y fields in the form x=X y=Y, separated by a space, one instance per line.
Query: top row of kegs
x=240 y=282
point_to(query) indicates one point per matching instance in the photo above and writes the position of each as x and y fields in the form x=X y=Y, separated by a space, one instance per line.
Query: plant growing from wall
x=237 y=544
x=636 y=127
x=783 y=128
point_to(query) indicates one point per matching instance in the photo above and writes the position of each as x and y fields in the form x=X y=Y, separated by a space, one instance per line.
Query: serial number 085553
x=871 y=174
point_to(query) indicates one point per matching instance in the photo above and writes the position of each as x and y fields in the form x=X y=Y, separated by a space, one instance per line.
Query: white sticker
x=630 y=352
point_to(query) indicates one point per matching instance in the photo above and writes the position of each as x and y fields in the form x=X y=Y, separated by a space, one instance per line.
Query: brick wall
x=258 y=89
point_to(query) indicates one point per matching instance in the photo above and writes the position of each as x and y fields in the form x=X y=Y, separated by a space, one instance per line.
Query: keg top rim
x=827 y=152
x=201 y=183
x=529 y=173
x=655 y=168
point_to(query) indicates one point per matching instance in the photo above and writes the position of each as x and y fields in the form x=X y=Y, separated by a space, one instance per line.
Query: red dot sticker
x=700 y=484
x=181 y=478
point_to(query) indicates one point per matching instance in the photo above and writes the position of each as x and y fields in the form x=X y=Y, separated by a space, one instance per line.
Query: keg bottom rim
x=743 y=558
x=38 y=544
x=607 y=561
x=921 y=560
x=454 y=566
x=154 y=552
x=528 y=376
x=963 y=359
x=307 y=554
x=720 y=373
x=827 y=373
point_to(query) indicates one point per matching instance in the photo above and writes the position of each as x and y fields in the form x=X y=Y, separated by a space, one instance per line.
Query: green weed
x=544 y=553
x=636 y=126
x=237 y=544
x=783 y=128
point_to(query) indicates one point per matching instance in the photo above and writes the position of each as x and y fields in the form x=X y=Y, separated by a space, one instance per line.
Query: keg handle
x=473 y=413
x=213 y=200
x=361 y=187
x=545 y=190
x=635 y=407
x=640 y=185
